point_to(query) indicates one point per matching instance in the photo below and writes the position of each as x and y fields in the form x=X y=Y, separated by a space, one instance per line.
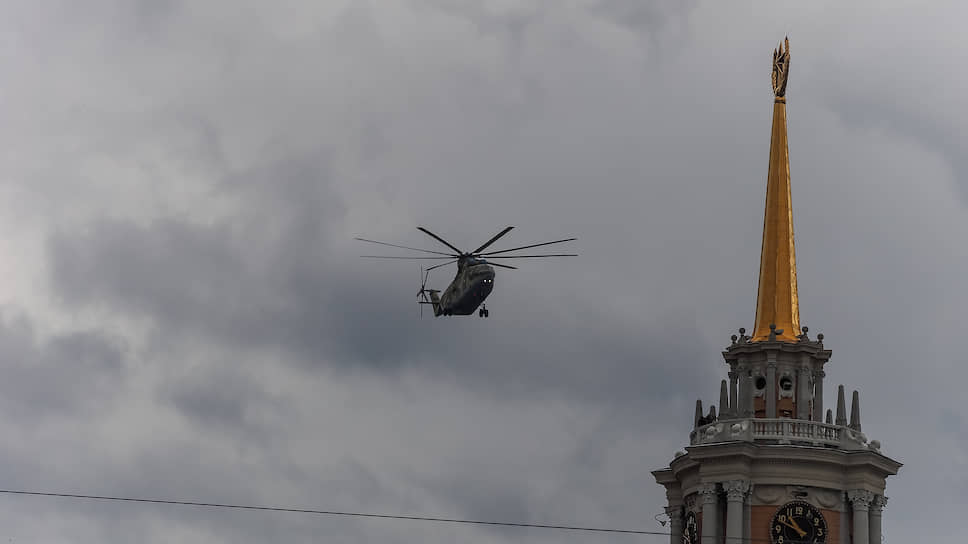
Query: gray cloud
x=59 y=376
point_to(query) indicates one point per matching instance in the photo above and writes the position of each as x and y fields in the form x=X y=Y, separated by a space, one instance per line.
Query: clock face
x=690 y=530
x=798 y=522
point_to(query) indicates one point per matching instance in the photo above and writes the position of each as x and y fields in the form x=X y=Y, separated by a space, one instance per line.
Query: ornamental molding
x=769 y=494
x=736 y=490
x=860 y=498
x=828 y=499
x=691 y=503
x=709 y=493
x=880 y=501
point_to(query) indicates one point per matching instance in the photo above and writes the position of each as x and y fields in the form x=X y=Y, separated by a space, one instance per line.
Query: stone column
x=844 y=519
x=675 y=523
x=771 y=387
x=818 y=396
x=710 y=513
x=803 y=393
x=861 y=500
x=735 y=493
x=877 y=507
x=734 y=406
x=748 y=400
x=748 y=515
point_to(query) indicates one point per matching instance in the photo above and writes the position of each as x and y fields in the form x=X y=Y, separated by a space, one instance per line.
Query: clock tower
x=772 y=466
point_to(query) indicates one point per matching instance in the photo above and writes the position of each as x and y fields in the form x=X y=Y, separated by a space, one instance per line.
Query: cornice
x=743 y=457
x=814 y=349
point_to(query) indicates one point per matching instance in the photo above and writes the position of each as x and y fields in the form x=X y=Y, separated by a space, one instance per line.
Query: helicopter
x=475 y=273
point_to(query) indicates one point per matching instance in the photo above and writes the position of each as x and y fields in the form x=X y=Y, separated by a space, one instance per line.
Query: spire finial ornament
x=724 y=408
x=841 y=407
x=781 y=68
x=776 y=299
x=855 y=411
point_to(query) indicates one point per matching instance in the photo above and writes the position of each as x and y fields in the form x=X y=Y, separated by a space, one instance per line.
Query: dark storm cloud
x=226 y=403
x=284 y=291
x=58 y=376
x=207 y=278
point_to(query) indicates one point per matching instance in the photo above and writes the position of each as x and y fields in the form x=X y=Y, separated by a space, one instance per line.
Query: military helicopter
x=475 y=273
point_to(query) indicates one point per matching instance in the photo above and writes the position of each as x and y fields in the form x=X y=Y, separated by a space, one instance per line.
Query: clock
x=690 y=529
x=798 y=522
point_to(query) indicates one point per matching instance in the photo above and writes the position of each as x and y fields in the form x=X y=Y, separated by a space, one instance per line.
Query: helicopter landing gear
x=483 y=312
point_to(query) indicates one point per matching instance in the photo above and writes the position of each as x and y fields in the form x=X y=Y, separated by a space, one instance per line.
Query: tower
x=772 y=466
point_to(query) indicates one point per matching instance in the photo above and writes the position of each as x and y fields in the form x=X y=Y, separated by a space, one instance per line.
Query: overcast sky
x=183 y=313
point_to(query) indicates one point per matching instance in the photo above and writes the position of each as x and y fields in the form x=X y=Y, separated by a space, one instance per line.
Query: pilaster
x=675 y=523
x=860 y=500
x=736 y=492
x=876 y=509
x=748 y=404
x=710 y=513
x=803 y=393
x=771 y=386
x=844 y=519
x=748 y=515
x=818 y=395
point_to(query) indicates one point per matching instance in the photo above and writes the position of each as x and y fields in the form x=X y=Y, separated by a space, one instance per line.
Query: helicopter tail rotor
x=423 y=292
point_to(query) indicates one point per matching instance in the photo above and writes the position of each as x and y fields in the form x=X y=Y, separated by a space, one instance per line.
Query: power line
x=366 y=515
x=333 y=512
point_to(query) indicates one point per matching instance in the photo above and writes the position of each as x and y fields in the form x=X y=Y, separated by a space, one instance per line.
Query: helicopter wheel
x=486 y=313
x=480 y=313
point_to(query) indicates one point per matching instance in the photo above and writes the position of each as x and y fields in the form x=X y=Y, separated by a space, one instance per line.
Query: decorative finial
x=781 y=68
x=803 y=337
x=841 y=407
x=742 y=339
x=774 y=331
x=820 y=338
x=733 y=338
x=724 y=408
x=855 y=411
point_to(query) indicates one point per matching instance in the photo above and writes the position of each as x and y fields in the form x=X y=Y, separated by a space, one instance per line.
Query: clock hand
x=796 y=526
x=800 y=531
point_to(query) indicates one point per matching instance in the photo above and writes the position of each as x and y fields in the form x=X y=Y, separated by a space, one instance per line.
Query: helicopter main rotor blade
x=532 y=256
x=527 y=247
x=503 y=265
x=390 y=257
x=491 y=241
x=441 y=240
x=404 y=247
x=439 y=265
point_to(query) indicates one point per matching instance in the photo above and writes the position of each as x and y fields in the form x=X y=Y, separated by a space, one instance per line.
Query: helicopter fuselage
x=471 y=286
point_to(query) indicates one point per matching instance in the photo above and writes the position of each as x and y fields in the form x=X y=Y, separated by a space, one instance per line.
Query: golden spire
x=776 y=300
